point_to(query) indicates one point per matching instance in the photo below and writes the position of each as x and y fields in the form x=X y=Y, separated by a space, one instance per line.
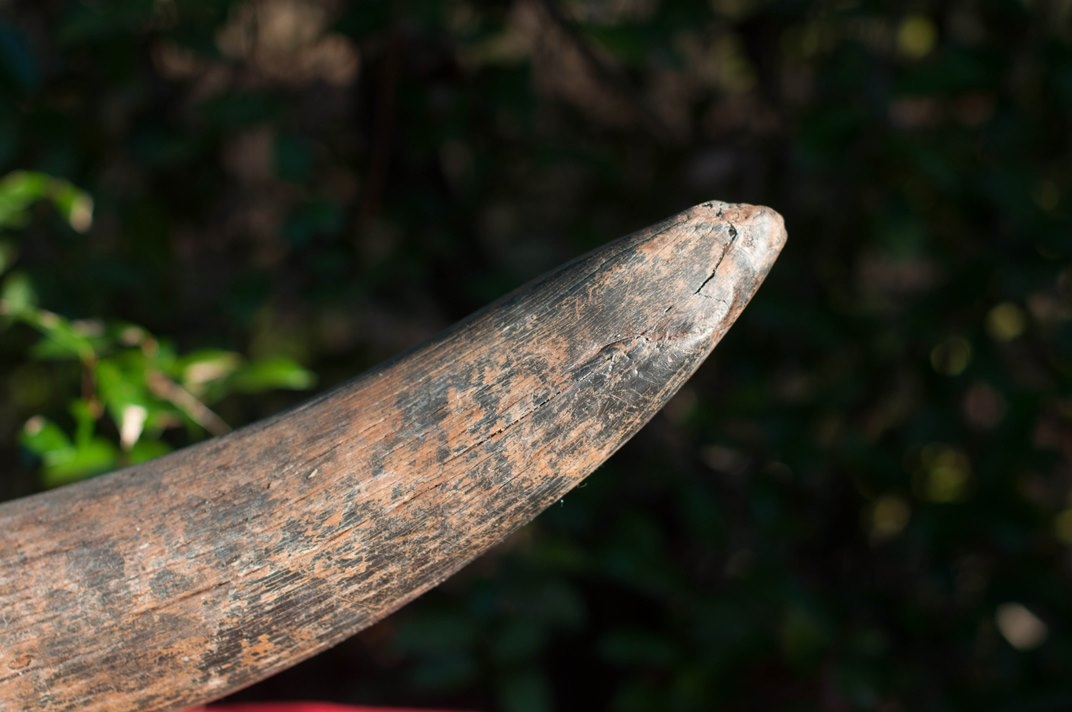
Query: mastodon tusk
x=180 y=580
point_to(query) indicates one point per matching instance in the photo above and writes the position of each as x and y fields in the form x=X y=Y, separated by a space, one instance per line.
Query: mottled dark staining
x=166 y=583
x=378 y=490
x=425 y=408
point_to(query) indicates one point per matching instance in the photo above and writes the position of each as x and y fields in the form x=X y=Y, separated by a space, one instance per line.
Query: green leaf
x=19 y=190
x=63 y=339
x=66 y=461
x=41 y=436
x=85 y=421
x=122 y=384
x=74 y=205
x=269 y=373
x=17 y=295
x=93 y=458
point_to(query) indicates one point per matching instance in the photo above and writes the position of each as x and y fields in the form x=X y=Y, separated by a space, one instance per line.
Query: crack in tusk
x=733 y=239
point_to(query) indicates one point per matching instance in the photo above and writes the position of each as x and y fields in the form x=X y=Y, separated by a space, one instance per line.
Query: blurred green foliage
x=143 y=385
x=864 y=501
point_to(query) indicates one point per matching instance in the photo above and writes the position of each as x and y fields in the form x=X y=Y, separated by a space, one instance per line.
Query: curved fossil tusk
x=183 y=579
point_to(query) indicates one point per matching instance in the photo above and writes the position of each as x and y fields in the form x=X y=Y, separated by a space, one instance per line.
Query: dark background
x=862 y=501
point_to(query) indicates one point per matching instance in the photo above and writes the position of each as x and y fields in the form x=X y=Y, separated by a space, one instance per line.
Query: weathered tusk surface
x=183 y=579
